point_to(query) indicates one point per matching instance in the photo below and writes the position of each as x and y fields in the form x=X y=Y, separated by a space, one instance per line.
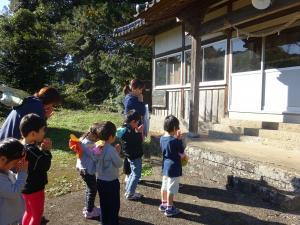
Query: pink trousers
x=34 y=204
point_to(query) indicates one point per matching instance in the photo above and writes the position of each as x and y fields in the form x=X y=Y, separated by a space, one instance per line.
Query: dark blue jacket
x=39 y=164
x=132 y=102
x=132 y=143
x=10 y=127
x=171 y=147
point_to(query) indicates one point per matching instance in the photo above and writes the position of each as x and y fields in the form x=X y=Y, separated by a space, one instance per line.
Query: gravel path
x=201 y=202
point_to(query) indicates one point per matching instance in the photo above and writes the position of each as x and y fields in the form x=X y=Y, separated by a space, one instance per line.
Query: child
x=172 y=151
x=107 y=167
x=132 y=142
x=87 y=169
x=32 y=128
x=133 y=100
x=11 y=202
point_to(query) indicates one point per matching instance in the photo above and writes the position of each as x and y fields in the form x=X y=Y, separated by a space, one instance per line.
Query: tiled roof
x=144 y=7
x=121 y=31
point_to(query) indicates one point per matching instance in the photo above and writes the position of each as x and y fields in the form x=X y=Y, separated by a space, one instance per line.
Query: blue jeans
x=136 y=172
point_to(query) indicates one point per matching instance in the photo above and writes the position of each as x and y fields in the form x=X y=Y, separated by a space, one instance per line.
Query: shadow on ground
x=220 y=195
x=129 y=221
x=211 y=216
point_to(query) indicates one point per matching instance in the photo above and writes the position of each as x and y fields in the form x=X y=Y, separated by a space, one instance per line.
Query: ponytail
x=126 y=90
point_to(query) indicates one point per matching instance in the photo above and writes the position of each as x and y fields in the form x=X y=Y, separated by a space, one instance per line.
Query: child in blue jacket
x=12 y=206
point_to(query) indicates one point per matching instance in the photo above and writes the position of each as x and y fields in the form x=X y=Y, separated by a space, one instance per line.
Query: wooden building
x=222 y=58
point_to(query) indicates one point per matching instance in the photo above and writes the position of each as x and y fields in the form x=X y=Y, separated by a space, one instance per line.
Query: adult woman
x=41 y=103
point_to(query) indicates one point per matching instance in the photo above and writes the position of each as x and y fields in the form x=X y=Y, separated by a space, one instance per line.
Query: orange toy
x=74 y=144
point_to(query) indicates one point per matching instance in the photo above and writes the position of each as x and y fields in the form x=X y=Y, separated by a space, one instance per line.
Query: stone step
x=272 y=173
x=284 y=145
x=278 y=138
x=241 y=123
x=281 y=135
x=291 y=127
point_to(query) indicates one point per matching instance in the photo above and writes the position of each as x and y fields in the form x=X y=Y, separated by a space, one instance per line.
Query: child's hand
x=178 y=135
x=118 y=148
x=182 y=155
x=22 y=165
x=46 y=144
x=141 y=98
x=48 y=111
x=140 y=129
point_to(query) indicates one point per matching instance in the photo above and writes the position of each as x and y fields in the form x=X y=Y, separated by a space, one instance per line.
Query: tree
x=50 y=41
x=28 y=52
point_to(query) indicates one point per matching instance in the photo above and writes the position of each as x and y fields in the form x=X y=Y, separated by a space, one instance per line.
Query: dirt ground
x=200 y=201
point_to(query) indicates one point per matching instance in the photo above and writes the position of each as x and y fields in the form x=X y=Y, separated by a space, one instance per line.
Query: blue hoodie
x=11 y=202
x=87 y=162
x=132 y=102
x=10 y=127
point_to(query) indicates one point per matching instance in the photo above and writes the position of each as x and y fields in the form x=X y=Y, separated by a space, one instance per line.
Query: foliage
x=70 y=41
x=28 y=52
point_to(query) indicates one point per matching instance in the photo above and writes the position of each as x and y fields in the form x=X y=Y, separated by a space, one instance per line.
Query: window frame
x=185 y=70
x=167 y=86
x=261 y=57
x=216 y=82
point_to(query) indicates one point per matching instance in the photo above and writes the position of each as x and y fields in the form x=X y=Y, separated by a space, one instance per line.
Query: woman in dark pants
x=133 y=100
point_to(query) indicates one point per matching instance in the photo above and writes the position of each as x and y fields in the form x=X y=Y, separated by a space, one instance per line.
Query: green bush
x=113 y=104
x=74 y=98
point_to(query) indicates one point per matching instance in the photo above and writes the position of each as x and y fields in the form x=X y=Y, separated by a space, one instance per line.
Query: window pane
x=188 y=67
x=246 y=54
x=174 y=70
x=161 y=71
x=214 y=60
x=283 y=50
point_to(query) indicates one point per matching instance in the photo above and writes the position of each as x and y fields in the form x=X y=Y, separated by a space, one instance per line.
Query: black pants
x=91 y=190
x=126 y=167
x=109 y=192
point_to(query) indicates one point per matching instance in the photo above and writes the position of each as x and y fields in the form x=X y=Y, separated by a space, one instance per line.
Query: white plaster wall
x=282 y=92
x=246 y=92
x=168 y=40
x=280 y=96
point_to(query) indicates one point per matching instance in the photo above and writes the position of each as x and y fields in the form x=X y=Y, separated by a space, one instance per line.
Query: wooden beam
x=244 y=15
x=196 y=69
x=228 y=66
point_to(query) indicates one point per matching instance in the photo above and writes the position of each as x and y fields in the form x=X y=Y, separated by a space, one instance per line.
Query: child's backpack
x=11 y=96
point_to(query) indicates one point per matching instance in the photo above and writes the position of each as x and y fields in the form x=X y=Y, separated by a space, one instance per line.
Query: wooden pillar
x=192 y=19
x=196 y=72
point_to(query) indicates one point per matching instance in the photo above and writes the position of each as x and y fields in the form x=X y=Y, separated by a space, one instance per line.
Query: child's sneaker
x=162 y=207
x=98 y=210
x=172 y=211
x=93 y=214
x=134 y=197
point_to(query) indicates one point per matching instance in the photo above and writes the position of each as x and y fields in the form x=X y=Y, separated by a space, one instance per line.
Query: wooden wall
x=211 y=104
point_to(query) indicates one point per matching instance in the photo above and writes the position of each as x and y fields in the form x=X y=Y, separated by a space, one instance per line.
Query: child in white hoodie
x=12 y=155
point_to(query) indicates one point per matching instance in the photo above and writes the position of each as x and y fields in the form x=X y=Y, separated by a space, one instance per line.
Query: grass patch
x=147 y=170
x=63 y=177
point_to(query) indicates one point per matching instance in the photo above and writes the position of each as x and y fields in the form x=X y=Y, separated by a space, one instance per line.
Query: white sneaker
x=93 y=214
x=135 y=196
